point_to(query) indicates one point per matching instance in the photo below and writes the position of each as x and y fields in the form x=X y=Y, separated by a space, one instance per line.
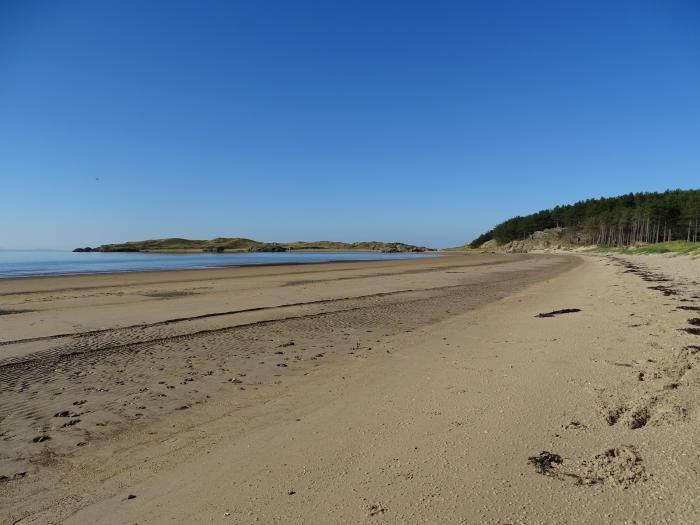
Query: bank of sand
x=386 y=392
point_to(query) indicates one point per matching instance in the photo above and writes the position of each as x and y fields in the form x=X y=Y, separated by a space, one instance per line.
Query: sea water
x=26 y=263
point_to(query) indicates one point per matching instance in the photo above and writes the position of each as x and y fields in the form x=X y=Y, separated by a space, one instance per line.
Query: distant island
x=240 y=245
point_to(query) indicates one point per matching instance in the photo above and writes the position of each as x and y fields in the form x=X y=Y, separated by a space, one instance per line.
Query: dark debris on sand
x=558 y=312
x=545 y=461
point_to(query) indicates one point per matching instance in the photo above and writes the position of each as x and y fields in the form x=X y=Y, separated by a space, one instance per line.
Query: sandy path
x=434 y=425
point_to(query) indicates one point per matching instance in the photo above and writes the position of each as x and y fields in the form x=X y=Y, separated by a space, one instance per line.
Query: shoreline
x=401 y=393
x=65 y=295
x=427 y=255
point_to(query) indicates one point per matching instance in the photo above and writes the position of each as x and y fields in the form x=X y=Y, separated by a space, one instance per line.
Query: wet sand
x=401 y=391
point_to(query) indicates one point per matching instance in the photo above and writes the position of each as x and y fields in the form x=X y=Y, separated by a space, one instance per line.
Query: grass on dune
x=672 y=247
x=464 y=248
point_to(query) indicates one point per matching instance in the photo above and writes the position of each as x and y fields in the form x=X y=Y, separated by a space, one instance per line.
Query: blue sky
x=424 y=122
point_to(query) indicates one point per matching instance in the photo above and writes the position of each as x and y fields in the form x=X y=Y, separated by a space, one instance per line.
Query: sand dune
x=399 y=392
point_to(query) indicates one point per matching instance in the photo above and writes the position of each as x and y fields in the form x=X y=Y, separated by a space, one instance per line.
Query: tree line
x=612 y=221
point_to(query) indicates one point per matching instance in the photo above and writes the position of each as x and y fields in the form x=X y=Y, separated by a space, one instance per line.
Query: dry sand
x=421 y=391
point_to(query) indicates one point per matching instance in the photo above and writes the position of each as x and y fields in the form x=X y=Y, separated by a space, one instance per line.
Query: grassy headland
x=464 y=248
x=240 y=245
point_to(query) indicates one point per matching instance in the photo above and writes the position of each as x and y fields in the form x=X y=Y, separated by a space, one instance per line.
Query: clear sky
x=424 y=122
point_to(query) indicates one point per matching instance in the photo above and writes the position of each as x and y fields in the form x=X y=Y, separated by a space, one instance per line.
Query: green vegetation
x=237 y=244
x=464 y=248
x=676 y=247
x=615 y=221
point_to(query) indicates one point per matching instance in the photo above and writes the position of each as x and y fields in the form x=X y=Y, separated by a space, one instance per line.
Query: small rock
x=376 y=509
x=12 y=477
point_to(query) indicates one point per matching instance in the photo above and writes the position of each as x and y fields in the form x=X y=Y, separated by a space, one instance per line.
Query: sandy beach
x=481 y=388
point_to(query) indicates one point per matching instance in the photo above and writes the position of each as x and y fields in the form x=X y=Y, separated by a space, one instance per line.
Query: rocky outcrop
x=545 y=240
x=268 y=247
x=402 y=248
x=490 y=246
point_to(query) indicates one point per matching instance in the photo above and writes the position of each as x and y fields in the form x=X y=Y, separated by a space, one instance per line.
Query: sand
x=421 y=391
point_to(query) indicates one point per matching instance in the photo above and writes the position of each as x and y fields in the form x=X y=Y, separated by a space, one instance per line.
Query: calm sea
x=25 y=263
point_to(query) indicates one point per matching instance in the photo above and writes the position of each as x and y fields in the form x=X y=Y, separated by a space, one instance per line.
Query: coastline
x=412 y=390
x=406 y=256
x=72 y=299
